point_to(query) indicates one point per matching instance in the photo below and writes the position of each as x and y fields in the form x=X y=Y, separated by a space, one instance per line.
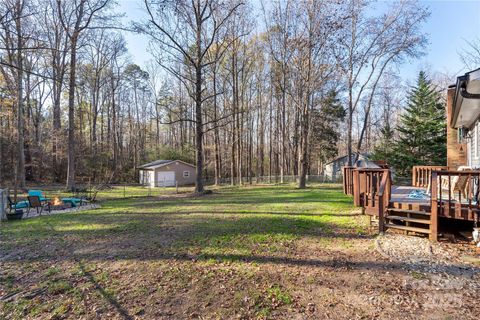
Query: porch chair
x=457 y=183
x=75 y=202
x=13 y=206
x=35 y=202
x=37 y=193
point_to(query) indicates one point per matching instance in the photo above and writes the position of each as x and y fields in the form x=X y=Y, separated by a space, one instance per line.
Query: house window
x=186 y=174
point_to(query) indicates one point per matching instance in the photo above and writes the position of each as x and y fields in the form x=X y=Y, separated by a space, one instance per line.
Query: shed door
x=166 y=178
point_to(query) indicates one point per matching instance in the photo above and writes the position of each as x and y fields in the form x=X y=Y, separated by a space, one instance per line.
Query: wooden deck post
x=356 y=188
x=414 y=176
x=381 y=212
x=434 y=208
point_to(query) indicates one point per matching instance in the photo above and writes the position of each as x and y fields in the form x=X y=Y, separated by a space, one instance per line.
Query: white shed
x=167 y=173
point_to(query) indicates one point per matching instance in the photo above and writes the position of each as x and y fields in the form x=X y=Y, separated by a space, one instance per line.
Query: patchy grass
x=250 y=252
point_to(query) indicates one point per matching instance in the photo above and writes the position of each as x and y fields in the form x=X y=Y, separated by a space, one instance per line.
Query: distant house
x=167 y=173
x=333 y=169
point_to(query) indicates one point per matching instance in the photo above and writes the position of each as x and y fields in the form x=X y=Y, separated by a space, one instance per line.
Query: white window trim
x=475 y=142
x=187 y=174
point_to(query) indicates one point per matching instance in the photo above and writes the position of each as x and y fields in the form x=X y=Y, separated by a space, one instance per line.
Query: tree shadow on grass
x=226 y=239
x=107 y=296
x=452 y=269
x=111 y=234
x=250 y=212
x=260 y=200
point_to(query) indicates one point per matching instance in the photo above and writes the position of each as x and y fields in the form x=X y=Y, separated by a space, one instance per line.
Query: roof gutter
x=461 y=92
x=467 y=95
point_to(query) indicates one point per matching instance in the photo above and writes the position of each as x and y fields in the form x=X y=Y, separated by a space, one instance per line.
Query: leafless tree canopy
x=241 y=89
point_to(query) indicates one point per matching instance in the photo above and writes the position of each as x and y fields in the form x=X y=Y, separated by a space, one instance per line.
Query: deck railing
x=421 y=175
x=372 y=191
x=455 y=194
x=348 y=180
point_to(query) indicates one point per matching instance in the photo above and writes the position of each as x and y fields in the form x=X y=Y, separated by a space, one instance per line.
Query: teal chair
x=75 y=202
x=12 y=206
x=37 y=193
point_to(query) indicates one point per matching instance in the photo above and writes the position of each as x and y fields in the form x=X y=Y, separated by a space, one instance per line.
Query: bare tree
x=186 y=31
x=470 y=55
x=76 y=17
x=14 y=39
x=369 y=46
x=56 y=68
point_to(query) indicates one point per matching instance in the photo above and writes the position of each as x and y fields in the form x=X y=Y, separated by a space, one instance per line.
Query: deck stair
x=408 y=220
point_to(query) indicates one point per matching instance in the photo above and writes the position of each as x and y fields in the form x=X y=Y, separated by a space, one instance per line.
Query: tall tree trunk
x=56 y=96
x=19 y=98
x=198 y=109
x=71 y=115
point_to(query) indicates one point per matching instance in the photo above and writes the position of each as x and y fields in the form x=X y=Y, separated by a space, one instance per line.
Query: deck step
x=405 y=228
x=406 y=219
x=408 y=211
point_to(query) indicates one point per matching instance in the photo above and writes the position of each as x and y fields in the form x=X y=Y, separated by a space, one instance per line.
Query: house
x=463 y=112
x=167 y=173
x=333 y=169
x=438 y=194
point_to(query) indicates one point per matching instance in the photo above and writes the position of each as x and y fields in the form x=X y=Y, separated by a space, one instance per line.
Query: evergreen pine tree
x=422 y=130
x=385 y=149
x=325 y=130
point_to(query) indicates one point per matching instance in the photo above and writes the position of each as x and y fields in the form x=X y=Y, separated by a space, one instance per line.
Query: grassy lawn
x=252 y=252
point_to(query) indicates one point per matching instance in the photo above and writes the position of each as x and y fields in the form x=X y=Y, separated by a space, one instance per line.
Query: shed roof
x=360 y=155
x=160 y=163
x=155 y=163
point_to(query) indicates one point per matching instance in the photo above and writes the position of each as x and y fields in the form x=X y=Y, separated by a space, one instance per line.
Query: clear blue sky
x=450 y=24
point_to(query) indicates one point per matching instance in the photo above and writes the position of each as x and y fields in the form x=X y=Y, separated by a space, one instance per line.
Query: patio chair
x=35 y=202
x=37 y=193
x=457 y=183
x=75 y=202
x=13 y=206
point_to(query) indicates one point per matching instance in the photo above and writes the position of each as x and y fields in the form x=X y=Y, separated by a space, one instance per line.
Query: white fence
x=3 y=204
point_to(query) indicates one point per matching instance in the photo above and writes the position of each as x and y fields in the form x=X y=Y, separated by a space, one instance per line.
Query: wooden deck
x=400 y=194
x=399 y=200
x=454 y=195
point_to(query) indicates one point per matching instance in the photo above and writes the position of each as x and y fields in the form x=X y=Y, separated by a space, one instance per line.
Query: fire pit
x=58 y=204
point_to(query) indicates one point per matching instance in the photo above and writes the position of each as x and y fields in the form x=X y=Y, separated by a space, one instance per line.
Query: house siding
x=179 y=167
x=149 y=176
x=333 y=170
x=473 y=146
